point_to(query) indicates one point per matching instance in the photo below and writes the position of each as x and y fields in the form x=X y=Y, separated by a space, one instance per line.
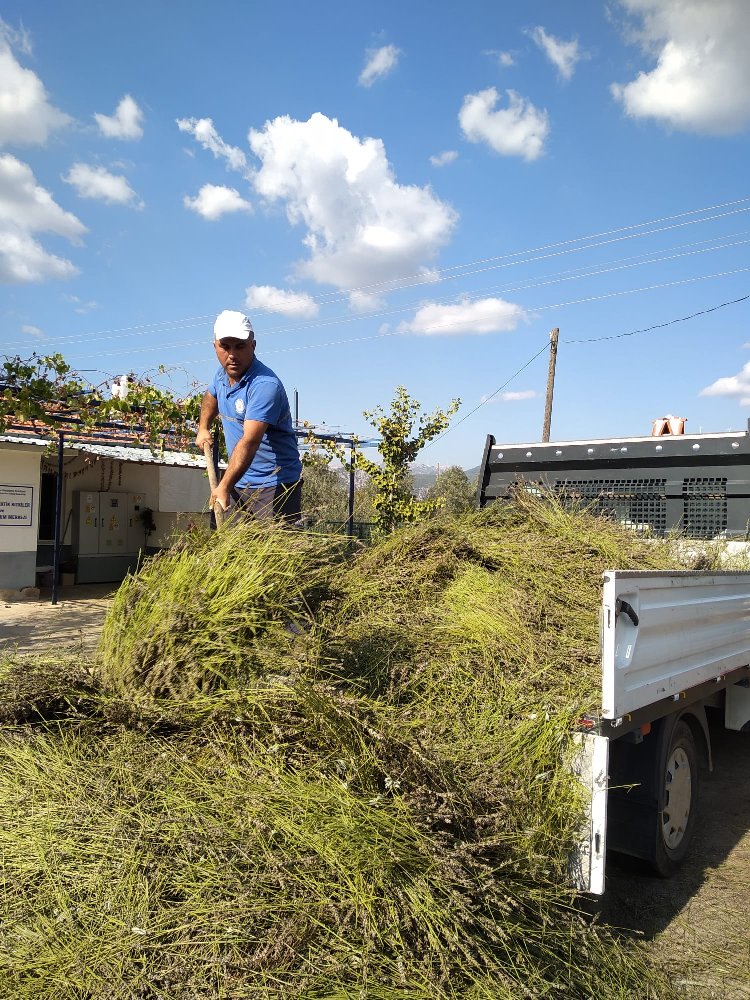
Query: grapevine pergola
x=42 y=399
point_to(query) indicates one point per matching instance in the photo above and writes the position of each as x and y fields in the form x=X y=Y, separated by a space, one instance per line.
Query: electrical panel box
x=137 y=538
x=113 y=523
x=86 y=523
x=108 y=523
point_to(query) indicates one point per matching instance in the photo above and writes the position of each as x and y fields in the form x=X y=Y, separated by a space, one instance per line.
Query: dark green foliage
x=325 y=493
x=454 y=491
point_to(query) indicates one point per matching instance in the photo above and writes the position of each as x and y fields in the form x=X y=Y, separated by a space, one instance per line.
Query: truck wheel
x=680 y=790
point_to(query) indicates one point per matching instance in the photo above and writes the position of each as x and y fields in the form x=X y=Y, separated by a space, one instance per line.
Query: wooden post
x=217 y=509
x=550 y=383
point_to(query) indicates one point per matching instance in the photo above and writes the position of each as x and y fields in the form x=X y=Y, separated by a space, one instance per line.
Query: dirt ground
x=73 y=623
x=697 y=924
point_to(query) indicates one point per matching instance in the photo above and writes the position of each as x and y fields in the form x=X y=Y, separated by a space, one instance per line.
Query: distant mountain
x=425 y=475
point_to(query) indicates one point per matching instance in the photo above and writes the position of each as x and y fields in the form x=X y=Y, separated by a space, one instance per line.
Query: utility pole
x=550 y=383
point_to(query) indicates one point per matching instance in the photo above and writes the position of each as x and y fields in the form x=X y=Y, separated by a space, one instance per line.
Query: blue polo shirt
x=259 y=395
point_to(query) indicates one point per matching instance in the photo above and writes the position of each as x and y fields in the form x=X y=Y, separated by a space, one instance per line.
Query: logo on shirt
x=239 y=405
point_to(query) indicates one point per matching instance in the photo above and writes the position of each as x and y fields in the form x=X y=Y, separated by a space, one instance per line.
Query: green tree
x=453 y=488
x=326 y=494
x=403 y=433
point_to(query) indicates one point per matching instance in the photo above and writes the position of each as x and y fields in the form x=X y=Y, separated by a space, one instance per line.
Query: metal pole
x=296 y=409
x=58 y=515
x=350 y=521
x=550 y=383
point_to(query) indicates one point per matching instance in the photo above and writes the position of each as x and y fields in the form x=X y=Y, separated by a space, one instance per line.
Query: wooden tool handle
x=211 y=469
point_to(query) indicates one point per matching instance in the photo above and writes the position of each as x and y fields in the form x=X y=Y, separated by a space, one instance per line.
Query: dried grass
x=304 y=776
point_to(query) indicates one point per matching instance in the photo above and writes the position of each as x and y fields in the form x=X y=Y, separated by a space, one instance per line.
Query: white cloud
x=26 y=204
x=563 y=55
x=213 y=201
x=26 y=115
x=701 y=81
x=277 y=300
x=504 y=59
x=100 y=185
x=443 y=159
x=363 y=302
x=518 y=130
x=203 y=131
x=362 y=226
x=511 y=397
x=478 y=317
x=519 y=396
x=380 y=62
x=125 y=123
x=732 y=385
x=23 y=260
x=18 y=38
x=80 y=306
x=33 y=331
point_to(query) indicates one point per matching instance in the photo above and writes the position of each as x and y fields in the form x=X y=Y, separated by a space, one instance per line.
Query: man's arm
x=209 y=413
x=240 y=459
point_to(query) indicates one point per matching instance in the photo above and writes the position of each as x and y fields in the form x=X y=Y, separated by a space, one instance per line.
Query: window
x=47 y=506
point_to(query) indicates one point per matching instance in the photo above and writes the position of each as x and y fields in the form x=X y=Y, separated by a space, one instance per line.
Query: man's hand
x=222 y=496
x=204 y=437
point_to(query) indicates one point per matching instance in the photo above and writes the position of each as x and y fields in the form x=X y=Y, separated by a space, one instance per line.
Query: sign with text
x=16 y=506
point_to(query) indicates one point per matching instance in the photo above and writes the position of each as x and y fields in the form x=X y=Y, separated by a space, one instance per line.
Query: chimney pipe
x=669 y=425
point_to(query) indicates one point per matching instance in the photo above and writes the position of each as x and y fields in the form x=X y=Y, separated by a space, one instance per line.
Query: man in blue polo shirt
x=264 y=473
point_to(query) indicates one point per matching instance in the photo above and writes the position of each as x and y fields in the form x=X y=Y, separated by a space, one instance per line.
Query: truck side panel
x=663 y=633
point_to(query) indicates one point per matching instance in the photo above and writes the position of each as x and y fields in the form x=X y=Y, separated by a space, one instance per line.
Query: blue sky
x=397 y=194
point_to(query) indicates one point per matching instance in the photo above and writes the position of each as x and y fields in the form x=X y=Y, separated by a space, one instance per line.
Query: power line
x=446 y=326
x=659 y=326
x=487 y=398
x=590 y=340
x=632 y=261
x=443 y=274
x=580 y=239
x=644 y=288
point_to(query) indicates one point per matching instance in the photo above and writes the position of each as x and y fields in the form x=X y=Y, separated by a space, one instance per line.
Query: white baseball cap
x=232 y=324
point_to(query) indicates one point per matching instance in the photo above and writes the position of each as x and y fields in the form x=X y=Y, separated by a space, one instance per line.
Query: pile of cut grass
x=325 y=778
x=215 y=611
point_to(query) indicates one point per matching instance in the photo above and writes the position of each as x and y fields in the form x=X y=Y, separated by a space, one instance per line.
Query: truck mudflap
x=591 y=765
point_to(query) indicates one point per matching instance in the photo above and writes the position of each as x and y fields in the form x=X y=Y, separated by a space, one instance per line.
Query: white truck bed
x=692 y=627
x=665 y=636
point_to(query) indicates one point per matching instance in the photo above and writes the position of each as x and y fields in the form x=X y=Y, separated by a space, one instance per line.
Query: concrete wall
x=19 y=475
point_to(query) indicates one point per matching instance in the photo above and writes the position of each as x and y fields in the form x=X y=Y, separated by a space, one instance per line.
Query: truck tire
x=679 y=792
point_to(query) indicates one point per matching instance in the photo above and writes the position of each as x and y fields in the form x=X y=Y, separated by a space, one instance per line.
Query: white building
x=112 y=495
